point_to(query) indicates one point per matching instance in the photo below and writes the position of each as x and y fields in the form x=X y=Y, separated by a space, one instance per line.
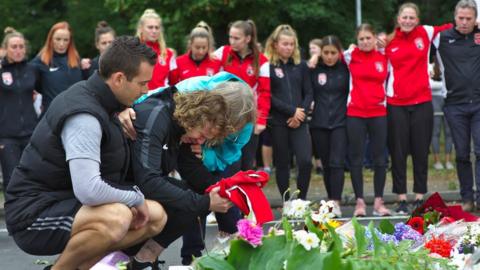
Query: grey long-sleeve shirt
x=81 y=138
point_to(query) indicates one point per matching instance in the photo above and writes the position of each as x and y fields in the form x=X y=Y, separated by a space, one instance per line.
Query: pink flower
x=250 y=232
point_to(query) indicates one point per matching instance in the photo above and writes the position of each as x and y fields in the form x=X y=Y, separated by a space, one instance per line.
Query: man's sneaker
x=438 y=166
x=136 y=265
x=402 y=208
x=449 y=166
x=468 y=206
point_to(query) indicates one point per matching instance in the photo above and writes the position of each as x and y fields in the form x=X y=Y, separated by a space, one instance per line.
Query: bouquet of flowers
x=320 y=242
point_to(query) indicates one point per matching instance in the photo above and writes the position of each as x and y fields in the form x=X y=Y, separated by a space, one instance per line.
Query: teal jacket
x=218 y=157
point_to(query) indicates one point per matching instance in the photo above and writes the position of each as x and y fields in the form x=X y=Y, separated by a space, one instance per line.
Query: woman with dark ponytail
x=104 y=36
x=244 y=59
x=330 y=82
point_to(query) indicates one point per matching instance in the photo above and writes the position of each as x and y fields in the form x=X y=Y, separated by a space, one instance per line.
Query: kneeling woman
x=166 y=124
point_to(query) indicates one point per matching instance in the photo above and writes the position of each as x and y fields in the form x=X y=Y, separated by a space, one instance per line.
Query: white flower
x=307 y=239
x=296 y=208
x=321 y=217
x=326 y=207
x=284 y=264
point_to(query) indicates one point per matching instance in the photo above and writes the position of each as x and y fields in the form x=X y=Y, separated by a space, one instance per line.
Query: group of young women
x=375 y=86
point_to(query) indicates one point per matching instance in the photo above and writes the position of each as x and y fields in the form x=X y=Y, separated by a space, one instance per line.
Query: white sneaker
x=336 y=211
x=211 y=219
x=438 y=166
x=449 y=166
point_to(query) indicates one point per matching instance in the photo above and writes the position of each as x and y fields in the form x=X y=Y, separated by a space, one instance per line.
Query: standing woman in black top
x=291 y=97
x=104 y=36
x=17 y=115
x=58 y=63
x=330 y=81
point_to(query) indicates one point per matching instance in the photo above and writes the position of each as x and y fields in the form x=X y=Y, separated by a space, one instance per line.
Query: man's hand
x=197 y=150
x=140 y=216
x=217 y=203
x=299 y=114
x=259 y=129
x=126 y=118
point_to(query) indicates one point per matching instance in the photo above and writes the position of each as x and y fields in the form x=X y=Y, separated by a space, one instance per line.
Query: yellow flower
x=334 y=224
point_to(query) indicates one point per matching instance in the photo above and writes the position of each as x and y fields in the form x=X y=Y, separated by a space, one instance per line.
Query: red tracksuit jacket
x=187 y=68
x=368 y=72
x=163 y=67
x=243 y=68
x=407 y=56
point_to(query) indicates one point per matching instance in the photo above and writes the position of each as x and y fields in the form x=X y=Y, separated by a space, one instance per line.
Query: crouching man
x=70 y=193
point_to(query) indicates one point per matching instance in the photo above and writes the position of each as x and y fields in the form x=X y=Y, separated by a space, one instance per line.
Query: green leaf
x=359 y=237
x=377 y=244
x=287 y=227
x=273 y=252
x=240 y=254
x=212 y=262
x=314 y=229
x=302 y=259
x=337 y=242
x=386 y=226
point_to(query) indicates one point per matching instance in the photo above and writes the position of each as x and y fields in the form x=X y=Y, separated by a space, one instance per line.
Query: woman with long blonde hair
x=150 y=31
x=291 y=97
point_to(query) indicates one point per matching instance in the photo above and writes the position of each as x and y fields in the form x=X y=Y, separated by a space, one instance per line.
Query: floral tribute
x=436 y=236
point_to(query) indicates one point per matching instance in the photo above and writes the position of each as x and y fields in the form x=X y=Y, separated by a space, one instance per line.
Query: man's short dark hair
x=125 y=54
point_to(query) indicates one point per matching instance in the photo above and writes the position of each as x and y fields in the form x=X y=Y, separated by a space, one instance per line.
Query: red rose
x=416 y=223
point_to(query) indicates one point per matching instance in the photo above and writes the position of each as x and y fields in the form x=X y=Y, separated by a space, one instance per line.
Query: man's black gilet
x=42 y=176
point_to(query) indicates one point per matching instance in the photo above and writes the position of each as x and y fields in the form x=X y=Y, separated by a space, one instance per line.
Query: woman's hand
x=126 y=118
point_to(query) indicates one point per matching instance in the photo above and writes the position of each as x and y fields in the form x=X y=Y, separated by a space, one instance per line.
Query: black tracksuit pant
x=410 y=132
x=249 y=152
x=331 y=145
x=357 y=130
x=286 y=141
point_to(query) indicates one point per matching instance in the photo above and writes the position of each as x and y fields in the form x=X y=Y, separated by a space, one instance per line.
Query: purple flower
x=250 y=232
x=405 y=232
x=384 y=237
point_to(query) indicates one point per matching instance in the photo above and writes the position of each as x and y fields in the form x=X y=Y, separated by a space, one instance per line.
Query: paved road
x=11 y=257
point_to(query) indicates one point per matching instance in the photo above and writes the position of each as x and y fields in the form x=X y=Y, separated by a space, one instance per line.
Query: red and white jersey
x=163 y=67
x=187 y=68
x=368 y=73
x=244 y=69
x=408 y=55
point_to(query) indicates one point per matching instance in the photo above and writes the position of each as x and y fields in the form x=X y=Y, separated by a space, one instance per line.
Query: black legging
x=331 y=145
x=357 y=130
x=410 y=132
x=11 y=150
x=249 y=152
x=286 y=140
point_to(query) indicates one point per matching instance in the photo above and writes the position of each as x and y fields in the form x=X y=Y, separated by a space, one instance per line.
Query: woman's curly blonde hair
x=200 y=108
x=227 y=108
